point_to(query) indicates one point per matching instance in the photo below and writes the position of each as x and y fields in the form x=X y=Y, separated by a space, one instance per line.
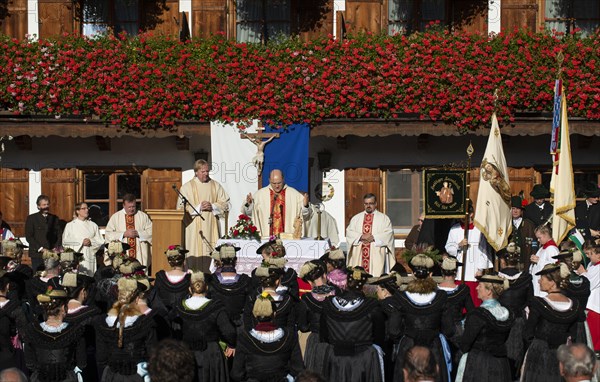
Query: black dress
x=232 y=293
x=579 y=289
x=516 y=298
x=120 y=364
x=171 y=294
x=421 y=324
x=33 y=287
x=351 y=324
x=459 y=300
x=202 y=328
x=285 y=312
x=53 y=353
x=546 y=329
x=267 y=356
x=8 y=329
x=483 y=341
x=309 y=320
x=86 y=316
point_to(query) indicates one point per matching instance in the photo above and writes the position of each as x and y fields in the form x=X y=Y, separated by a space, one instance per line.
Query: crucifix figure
x=257 y=138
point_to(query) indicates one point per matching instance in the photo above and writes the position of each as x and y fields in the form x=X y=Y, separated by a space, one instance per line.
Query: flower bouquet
x=244 y=229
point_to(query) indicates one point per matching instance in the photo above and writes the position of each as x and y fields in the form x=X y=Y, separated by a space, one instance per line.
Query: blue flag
x=288 y=153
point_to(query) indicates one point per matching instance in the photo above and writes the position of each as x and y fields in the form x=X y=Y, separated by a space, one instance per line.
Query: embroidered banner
x=444 y=193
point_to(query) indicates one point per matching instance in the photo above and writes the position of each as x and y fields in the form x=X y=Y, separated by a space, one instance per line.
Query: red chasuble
x=365 y=248
x=130 y=224
x=278 y=208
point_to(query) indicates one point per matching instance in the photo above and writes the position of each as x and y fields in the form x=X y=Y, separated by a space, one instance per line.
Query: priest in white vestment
x=208 y=199
x=274 y=209
x=132 y=227
x=370 y=239
x=82 y=235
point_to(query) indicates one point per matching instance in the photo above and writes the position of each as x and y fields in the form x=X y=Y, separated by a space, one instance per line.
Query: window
x=104 y=190
x=99 y=17
x=403 y=198
x=259 y=21
x=408 y=16
x=567 y=15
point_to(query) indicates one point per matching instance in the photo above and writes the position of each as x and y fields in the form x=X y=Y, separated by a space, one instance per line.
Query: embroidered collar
x=497 y=310
x=196 y=302
x=53 y=329
x=421 y=298
x=267 y=337
x=175 y=279
x=347 y=305
x=561 y=306
x=511 y=278
x=129 y=321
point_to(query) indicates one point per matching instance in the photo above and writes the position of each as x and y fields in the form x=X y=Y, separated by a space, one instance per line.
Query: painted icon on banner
x=444 y=193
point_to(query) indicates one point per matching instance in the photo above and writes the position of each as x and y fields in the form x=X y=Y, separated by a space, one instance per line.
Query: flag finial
x=560 y=58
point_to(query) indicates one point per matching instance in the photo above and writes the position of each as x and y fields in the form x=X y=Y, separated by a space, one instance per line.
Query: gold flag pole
x=465 y=248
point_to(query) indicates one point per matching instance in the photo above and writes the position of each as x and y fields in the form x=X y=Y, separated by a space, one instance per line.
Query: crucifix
x=257 y=138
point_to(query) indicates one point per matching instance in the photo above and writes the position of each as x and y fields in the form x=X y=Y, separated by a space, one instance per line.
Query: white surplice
x=73 y=235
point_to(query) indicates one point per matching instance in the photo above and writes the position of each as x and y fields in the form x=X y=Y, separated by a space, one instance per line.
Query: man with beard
x=42 y=231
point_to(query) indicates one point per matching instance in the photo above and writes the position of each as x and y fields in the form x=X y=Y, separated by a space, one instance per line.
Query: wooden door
x=14 y=203
x=314 y=18
x=364 y=15
x=55 y=17
x=13 y=23
x=521 y=180
x=208 y=17
x=470 y=16
x=357 y=183
x=158 y=188
x=162 y=18
x=519 y=14
x=61 y=187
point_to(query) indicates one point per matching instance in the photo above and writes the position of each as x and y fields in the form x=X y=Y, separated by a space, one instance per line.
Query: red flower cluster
x=151 y=82
x=244 y=229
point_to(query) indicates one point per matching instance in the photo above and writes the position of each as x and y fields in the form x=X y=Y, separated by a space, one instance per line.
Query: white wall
x=33 y=27
x=494 y=8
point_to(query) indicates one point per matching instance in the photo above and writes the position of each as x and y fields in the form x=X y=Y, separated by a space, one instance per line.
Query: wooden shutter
x=14 y=203
x=157 y=188
x=364 y=15
x=61 y=187
x=162 y=18
x=314 y=18
x=14 y=22
x=357 y=183
x=470 y=16
x=55 y=17
x=519 y=14
x=208 y=17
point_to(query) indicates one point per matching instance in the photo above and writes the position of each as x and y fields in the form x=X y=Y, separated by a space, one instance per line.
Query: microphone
x=174 y=186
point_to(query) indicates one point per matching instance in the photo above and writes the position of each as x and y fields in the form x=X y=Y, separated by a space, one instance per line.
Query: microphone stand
x=187 y=202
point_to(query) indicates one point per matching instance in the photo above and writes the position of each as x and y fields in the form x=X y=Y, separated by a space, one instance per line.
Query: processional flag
x=492 y=214
x=561 y=183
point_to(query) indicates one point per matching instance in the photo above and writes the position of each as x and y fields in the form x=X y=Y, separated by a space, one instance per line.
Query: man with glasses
x=370 y=238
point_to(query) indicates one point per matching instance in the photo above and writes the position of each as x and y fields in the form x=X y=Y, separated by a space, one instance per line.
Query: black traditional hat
x=548 y=268
x=591 y=190
x=516 y=202
x=539 y=192
x=575 y=253
x=54 y=291
x=494 y=279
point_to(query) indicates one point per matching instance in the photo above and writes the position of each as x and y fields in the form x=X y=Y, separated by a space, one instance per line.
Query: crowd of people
x=524 y=313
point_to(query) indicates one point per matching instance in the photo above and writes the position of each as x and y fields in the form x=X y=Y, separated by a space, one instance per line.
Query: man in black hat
x=523 y=230
x=587 y=213
x=540 y=210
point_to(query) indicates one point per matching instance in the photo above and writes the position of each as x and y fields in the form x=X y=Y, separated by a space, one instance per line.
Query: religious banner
x=444 y=193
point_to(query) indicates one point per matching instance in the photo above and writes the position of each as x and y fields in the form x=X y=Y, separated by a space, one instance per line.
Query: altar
x=297 y=252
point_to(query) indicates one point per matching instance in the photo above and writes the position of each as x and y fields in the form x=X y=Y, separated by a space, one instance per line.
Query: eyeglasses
x=370 y=204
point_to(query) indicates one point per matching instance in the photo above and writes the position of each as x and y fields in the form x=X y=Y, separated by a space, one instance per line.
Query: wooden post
x=167 y=229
